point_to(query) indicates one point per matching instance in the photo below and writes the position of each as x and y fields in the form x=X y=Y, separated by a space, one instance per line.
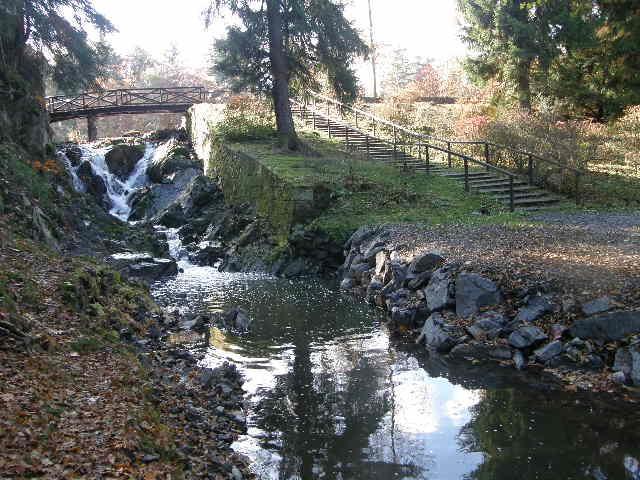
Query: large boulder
x=474 y=292
x=436 y=336
x=607 y=327
x=237 y=319
x=536 y=306
x=426 y=262
x=176 y=158
x=122 y=159
x=627 y=361
x=527 y=337
x=93 y=184
x=150 y=271
x=548 y=351
x=74 y=154
x=439 y=291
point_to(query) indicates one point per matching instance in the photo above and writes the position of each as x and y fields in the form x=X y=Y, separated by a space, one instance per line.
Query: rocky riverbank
x=464 y=314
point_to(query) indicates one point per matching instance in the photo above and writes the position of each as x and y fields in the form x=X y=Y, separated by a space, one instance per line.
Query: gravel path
x=582 y=255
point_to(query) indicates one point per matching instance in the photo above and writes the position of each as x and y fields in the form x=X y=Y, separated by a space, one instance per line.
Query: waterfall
x=119 y=192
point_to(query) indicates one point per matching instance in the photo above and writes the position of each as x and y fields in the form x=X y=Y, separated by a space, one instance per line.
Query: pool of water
x=332 y=395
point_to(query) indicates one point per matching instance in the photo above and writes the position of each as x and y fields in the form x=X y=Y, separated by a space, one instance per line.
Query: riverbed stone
x=426 y=262
x=403 y=316
x=122 y=159
x=627 y=361
x=434 y=335
x=416 y=281
x=152 y=270
x=237 y=319
x=439 y=292
x=501 y=353
x=474 y=292
x=527 y=337
x=519 y=360
x=599 y=305
x=548 y=351
x=536 y=306
x=346 y=284
x=607 y=327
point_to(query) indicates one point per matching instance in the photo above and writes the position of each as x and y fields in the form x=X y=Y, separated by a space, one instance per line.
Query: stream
x=331 y=394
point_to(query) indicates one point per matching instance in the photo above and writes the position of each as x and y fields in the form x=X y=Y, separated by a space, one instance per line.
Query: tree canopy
x=57 y=28
x=580 y=53
x=282 y=45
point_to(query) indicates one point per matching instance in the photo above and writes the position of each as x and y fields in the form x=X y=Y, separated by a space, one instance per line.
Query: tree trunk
x=280 y=73
x=524 y=84
x=373 y=53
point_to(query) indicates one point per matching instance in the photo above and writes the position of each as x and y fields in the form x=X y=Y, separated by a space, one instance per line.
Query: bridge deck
x=126 y=100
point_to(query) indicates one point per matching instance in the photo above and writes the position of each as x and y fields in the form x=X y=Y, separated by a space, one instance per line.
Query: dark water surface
x=332 y=396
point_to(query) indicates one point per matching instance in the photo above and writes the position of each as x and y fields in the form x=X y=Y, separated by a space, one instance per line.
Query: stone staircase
x=507 y=188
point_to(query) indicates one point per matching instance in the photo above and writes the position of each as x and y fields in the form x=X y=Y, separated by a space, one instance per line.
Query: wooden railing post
x=578 y=187
x=512 y=199
x=427 y=158
x=449 y=154
x=329 y=127
x=367 y=142
x=395 y=146
x=486 y=154
x=356 y=119
x=466 y=173
x=530 y=169
x=346 y=134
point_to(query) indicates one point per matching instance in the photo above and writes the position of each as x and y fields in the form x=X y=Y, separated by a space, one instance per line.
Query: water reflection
x=332 y=397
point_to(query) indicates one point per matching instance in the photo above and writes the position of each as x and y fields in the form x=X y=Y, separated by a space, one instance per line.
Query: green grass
x=367 y=192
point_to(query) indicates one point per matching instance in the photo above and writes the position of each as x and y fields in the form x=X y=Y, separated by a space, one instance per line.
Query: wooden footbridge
x=101 y=103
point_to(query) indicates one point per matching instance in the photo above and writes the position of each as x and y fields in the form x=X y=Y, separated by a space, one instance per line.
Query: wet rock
x=527 y=337
x=474 y=292
x=627 y=361
x=549 y=351
x=470 y=351
x=558 y=331
x=381 y=263
x=94 y=184
x=607 y=327
x=519 y=360
x=208 y=254
x=346 y=284
x=418 y=281
x=150 y=271
x=619 y=377
x=42 y=228
x=434 y=335
x=176 y=159
x=74 y=154
x=501 y=353
x=375 y=286
x=296 y=268
x=599 y=305
x=439 y=292
x=122 y=159
x=237 y=319
x=537 y=306
x=402 y=316
x=357 y=270
x=426 y=262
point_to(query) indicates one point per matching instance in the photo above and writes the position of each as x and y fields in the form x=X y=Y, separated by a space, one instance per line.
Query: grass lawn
x=374 y=193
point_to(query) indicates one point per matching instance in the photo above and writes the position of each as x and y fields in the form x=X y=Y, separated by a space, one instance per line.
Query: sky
x=425 y=28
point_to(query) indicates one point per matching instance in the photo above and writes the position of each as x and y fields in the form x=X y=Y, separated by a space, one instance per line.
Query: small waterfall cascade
x=119 y=192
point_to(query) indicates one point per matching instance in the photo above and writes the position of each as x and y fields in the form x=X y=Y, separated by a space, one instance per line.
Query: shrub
x=247 y=118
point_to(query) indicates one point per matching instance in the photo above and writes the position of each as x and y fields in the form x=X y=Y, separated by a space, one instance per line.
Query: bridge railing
x=123 y=97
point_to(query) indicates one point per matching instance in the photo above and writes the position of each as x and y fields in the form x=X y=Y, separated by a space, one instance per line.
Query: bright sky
x=425 y=28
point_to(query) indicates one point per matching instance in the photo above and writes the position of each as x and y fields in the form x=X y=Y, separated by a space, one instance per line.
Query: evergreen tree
x=58 y=29
x=281 y=45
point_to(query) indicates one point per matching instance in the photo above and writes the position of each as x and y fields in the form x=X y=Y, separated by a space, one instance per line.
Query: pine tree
x=58 y=28
x=280 y=48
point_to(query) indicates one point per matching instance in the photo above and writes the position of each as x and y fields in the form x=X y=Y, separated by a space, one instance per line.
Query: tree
x=58 y=28
x=400 y=71
x=279 y=48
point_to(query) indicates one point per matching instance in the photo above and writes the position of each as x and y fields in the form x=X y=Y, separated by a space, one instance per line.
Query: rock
x=381 y=262
x=346 y=284
x=163 y=166
x=519 y=361
x=438 y=293
x=235 y=473
x=599 y=305
x=434 y=335
x=473 y=292
x=549 y=351
x=402 y=316
x=470 y=351
x=501 y=353
x=149 y=458
x=558 y=331
x=426 y=262
x=357 y=270
x=607 y=327
x=477 y=333
x=537 y=306
x=93 y=184
x=370 y=253
x=74 y=154
x=151 y=270
x=237 y=319
x=122 y=159
x=42 y=230
x=418 y=281
x=296 y=268
x=375 y=286
x=627 y=361
x=619 y=378
x=527 y=337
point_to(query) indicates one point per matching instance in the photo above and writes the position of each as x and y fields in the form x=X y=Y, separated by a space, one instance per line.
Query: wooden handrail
x=400 y=129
